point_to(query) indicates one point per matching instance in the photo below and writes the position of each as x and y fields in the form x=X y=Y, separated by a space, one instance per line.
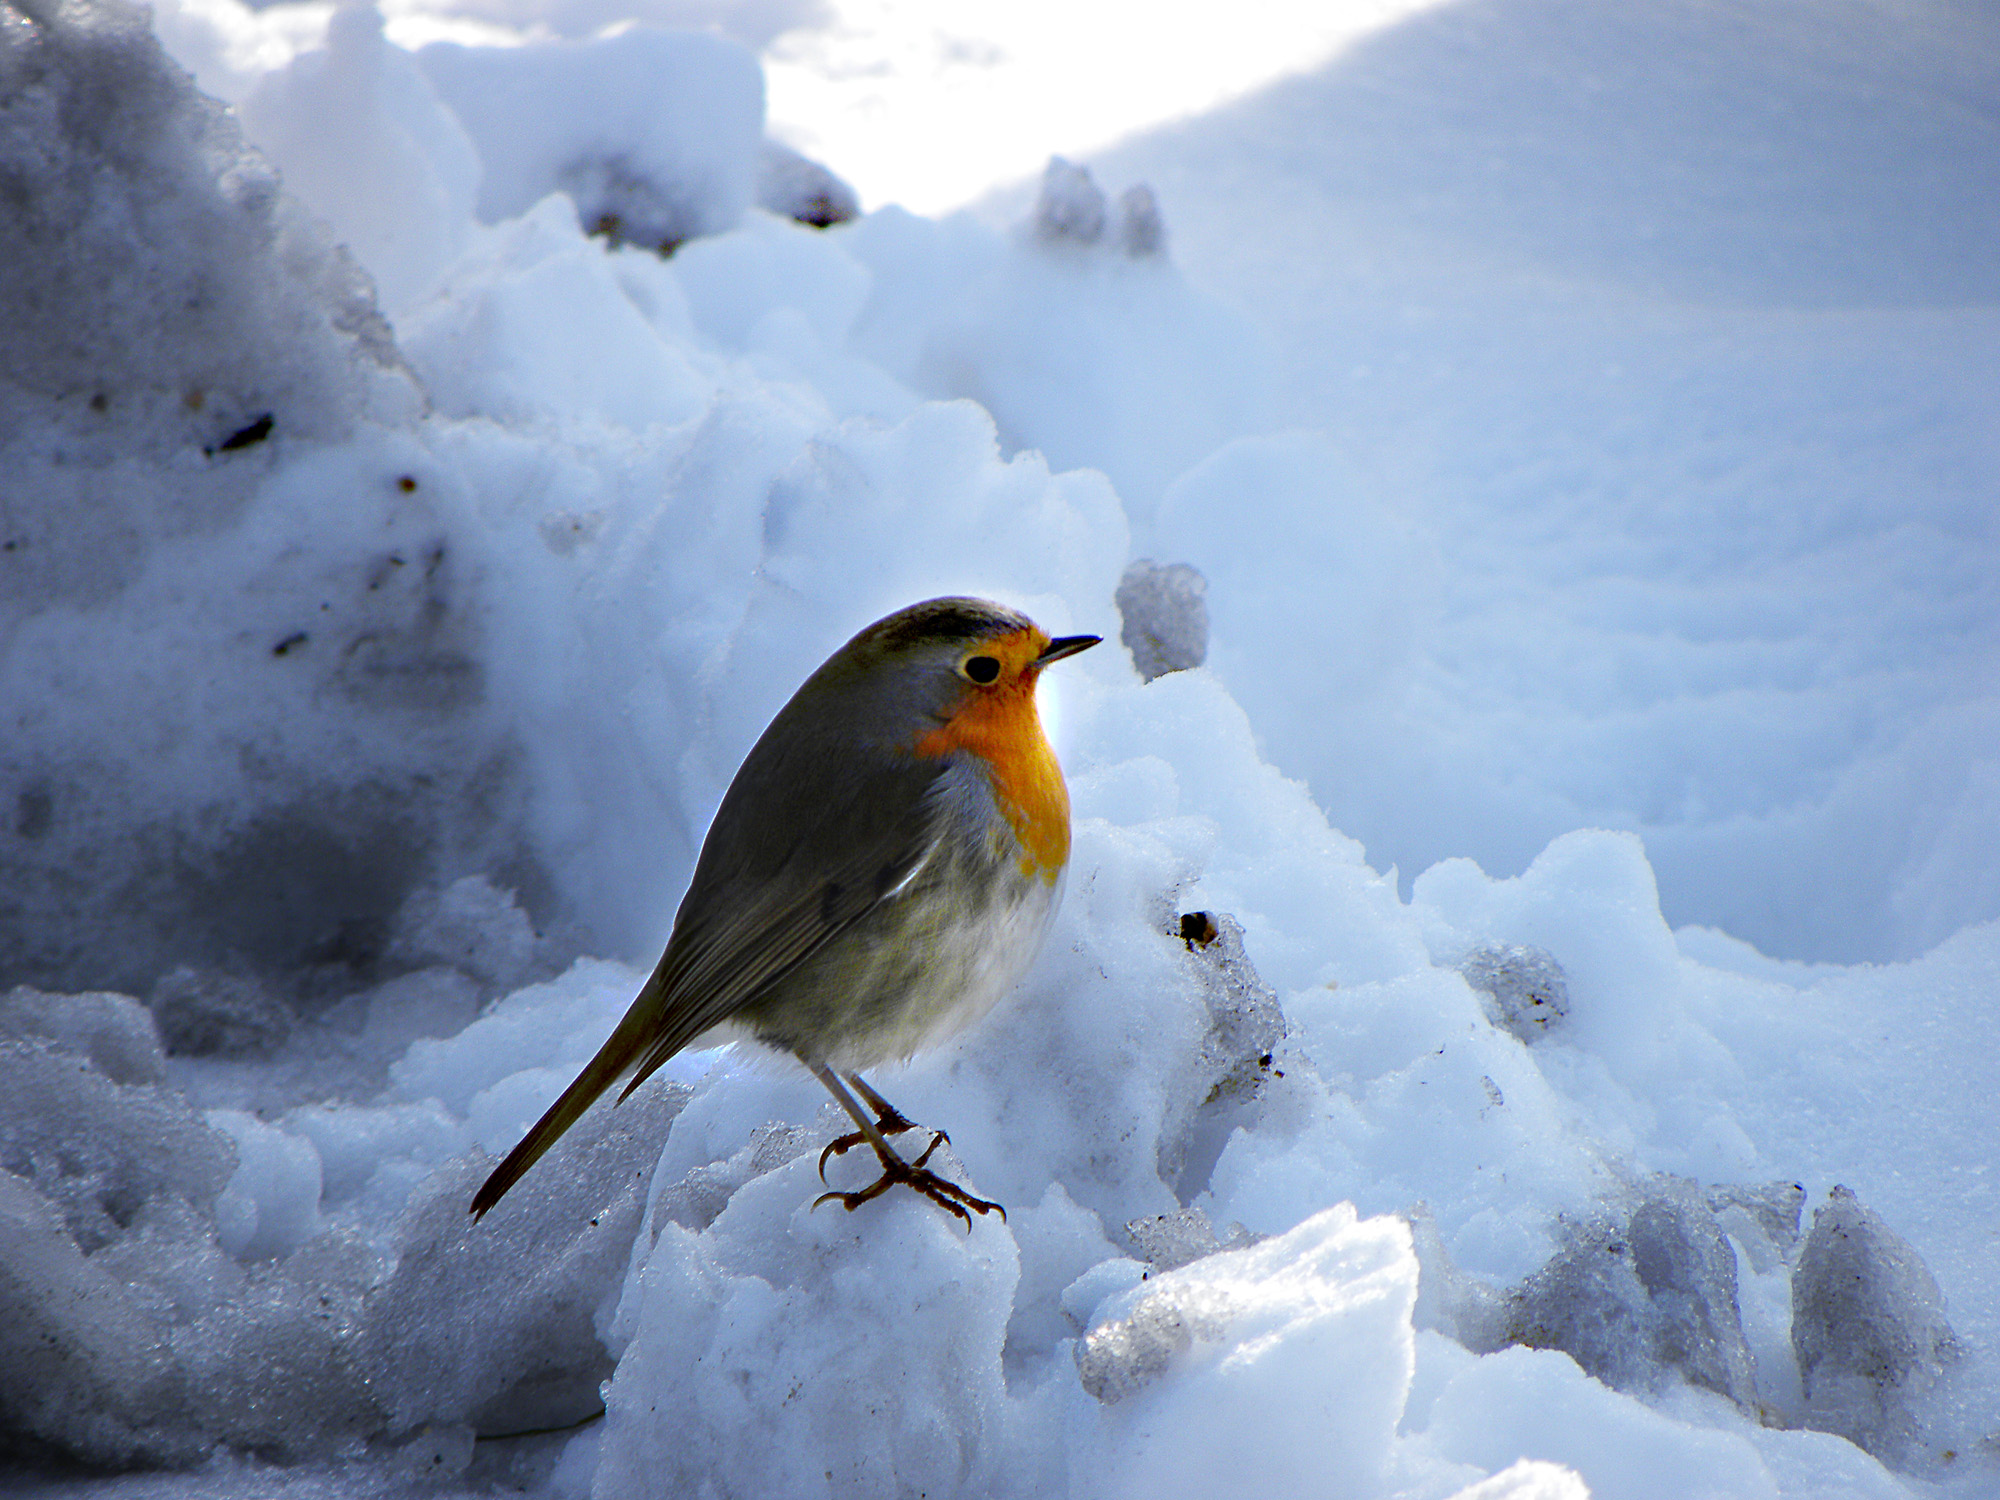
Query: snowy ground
x=1578 y=1080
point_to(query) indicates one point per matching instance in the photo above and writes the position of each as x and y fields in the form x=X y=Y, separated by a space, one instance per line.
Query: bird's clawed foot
x=948 y=1196
x=889 y=1120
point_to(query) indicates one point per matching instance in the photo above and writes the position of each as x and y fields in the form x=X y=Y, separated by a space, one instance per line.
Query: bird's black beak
x=1066 y=645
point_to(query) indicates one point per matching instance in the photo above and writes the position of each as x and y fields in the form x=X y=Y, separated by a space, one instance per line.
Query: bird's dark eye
x=982 y=669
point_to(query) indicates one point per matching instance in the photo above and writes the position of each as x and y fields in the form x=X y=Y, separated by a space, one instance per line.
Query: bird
x=882 y=869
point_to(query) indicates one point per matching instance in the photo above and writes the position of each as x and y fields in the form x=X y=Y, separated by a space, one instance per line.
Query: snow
x=653 y=135
x=1555 y=436
x=1648 y=354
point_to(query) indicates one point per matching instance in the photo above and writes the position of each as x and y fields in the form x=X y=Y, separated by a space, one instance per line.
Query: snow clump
x=1164 y=615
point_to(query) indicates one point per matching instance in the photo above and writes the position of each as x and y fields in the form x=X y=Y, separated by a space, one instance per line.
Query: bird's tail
x=618 y=1054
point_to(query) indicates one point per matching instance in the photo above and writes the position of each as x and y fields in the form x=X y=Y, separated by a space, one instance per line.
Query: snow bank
x=228 y=747
x=1649 y=355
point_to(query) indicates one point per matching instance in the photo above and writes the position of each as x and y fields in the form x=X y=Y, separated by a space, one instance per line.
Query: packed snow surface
x=1533 y=475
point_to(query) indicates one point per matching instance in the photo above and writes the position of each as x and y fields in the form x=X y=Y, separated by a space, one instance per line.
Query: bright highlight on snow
x=930 y=105
x=425 y=479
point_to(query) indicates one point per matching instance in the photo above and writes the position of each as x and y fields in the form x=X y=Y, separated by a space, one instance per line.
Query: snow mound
x=363 y=140
x=655 y=135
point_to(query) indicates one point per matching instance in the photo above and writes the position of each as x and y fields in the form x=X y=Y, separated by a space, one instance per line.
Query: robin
x=881 y=871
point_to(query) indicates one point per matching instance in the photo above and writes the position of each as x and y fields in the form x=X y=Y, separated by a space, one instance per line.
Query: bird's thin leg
x=947 y=1195
x=888 y=1119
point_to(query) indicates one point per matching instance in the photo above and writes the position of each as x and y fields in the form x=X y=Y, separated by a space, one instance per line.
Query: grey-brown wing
x=767 y=896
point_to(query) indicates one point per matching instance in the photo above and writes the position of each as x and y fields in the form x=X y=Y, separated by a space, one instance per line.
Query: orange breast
x=999 y=724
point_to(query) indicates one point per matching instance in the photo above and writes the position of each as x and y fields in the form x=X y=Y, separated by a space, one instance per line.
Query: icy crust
x=174 y=1280
x=1641 y=1296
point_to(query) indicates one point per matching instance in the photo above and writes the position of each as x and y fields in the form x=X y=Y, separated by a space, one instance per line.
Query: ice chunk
x=802 y=189
x=1070 y=209
x=104 y=1152
x=1130 y=1353
x=1525 y=989
x=115 y=1032
x=1171 y=1240
x=1164 y=607
x=1245 y=1026
x=206 y=1013
x=1642 y=1293
x=492 y=1323
x=1245 y=1023
x=1141 y=232
x=1868 y=1329
x=1186 y=1367
x=470 y=924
